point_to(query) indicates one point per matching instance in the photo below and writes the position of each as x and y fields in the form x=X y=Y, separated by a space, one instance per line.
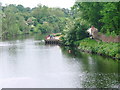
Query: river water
x=28 y=63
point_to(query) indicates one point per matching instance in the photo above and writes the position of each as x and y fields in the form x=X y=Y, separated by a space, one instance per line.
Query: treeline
x=16 y=19
x=103 y=15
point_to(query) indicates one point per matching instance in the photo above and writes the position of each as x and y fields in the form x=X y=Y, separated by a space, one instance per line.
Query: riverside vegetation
x=104 y=16
x=16 y=19
x=101 y=48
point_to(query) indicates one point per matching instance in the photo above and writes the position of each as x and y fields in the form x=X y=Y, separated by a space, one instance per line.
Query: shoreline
x=100 y=54
x=98 y=48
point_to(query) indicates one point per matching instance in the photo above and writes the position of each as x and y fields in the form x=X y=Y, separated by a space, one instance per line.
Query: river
x=28 y=63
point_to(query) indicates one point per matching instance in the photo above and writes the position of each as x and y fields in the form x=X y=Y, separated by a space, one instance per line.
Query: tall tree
x=89 y=11
x=111 y=17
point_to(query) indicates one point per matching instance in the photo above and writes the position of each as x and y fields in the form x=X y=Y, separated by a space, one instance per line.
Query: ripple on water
x=100 y=80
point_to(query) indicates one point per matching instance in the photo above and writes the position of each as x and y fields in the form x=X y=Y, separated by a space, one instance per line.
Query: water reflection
x=97 y=71
x=29 y=63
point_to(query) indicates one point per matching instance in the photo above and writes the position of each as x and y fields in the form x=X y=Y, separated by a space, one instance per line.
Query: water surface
x=28 y=63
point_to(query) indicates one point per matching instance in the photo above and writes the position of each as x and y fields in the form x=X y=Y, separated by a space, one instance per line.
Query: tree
x=74 y=31
x=13 y=22
x=110 y=17
x=89 y=11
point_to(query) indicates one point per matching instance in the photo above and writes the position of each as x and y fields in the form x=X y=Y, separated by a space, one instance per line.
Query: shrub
x=109 y=49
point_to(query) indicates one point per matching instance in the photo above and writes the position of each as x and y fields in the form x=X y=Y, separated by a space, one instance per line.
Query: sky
x=34 y=3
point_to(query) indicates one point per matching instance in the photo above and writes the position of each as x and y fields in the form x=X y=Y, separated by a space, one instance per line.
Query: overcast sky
x=34 y=3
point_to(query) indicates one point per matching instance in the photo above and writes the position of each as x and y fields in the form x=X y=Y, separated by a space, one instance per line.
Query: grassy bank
x=102 y=48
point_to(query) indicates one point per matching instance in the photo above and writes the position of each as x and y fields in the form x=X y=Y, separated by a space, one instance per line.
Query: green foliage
x=71 y=23
x=20 y=20
x=37 y=28
x=89 y=12
x=58 y=34
x=74 y=31
x=102 y=15
x=110 y=18
x=109 y=49
x=53 y=18
x=13 y=22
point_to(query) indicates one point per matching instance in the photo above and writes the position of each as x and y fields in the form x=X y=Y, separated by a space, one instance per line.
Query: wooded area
x=102 y=15
x=16 y=19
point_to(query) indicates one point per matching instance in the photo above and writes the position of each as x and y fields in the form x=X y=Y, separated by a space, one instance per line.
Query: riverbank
x=100 y=48
x=96 y=47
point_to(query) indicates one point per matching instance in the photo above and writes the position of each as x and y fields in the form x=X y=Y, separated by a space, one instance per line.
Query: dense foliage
x=71 y=23
x=73 y=32
x=109 y=49
x=102 y=15
x=13 y=22
x=41 y=19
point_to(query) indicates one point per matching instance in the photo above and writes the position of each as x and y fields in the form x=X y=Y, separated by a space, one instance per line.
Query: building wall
x=105 y=38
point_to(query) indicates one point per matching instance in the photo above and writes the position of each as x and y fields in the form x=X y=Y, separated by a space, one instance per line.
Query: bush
x=74 y=32
x=109 y=49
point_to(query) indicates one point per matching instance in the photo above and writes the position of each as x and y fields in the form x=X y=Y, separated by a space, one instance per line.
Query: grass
x=108 y=49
